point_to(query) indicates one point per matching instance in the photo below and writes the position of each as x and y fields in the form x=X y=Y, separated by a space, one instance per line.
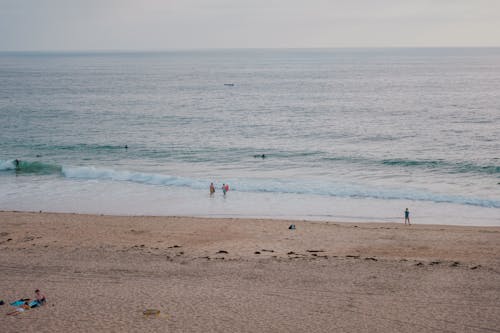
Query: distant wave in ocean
x=278 y=157
x=444 y=165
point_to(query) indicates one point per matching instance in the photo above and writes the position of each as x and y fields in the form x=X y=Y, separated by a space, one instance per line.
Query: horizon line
x=239 y=48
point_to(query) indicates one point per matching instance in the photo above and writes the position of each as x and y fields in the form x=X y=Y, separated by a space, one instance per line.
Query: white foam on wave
x=357 y=191
x=136 y=177
x=288 y=186
x=7 y=165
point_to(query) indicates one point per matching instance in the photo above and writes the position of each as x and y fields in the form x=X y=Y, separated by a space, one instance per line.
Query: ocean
x=315 y=134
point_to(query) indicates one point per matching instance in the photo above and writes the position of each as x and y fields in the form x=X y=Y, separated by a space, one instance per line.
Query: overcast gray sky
x=188 y=24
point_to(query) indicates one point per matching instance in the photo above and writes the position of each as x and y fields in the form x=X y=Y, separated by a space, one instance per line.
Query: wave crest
x=30 y=167
x=278 y=186
x=291 y=186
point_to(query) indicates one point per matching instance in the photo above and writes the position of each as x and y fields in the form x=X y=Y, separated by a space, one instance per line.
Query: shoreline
x=235 y=217
x=99 y=273
x=416 y=241
x=310 y=219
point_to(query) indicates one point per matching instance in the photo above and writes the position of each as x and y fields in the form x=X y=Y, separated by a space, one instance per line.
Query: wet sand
x=246 y=275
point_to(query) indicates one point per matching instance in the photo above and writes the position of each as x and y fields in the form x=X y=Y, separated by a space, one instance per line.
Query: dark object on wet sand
x=222 y=251
x=292 y=227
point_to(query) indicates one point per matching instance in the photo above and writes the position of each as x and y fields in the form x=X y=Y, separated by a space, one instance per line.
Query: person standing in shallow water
x=212 y=188
x=224 y=189
x=407 y=216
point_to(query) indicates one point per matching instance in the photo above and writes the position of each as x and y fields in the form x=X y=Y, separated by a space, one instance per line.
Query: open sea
x=346 y=134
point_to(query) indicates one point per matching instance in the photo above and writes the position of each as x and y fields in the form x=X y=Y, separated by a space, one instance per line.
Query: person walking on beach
x=407 y=216
x=212 y=188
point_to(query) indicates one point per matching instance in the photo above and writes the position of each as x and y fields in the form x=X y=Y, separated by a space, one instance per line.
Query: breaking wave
x=291 y=186
x=278 y=186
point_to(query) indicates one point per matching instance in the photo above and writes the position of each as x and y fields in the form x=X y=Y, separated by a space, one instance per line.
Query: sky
x=74 y=25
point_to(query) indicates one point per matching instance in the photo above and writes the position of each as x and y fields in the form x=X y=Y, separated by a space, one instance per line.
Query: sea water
x=336 y=134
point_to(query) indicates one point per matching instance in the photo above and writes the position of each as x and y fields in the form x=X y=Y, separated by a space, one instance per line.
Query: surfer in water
x=16 y=163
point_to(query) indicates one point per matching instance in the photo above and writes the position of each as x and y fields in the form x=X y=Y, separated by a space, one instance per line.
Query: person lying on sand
x=18 y=310
x=27 y=304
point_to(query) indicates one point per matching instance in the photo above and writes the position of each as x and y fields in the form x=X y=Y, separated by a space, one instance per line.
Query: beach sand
x=246 y=275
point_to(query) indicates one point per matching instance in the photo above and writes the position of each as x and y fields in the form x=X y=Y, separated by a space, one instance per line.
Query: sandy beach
x=239 y=275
